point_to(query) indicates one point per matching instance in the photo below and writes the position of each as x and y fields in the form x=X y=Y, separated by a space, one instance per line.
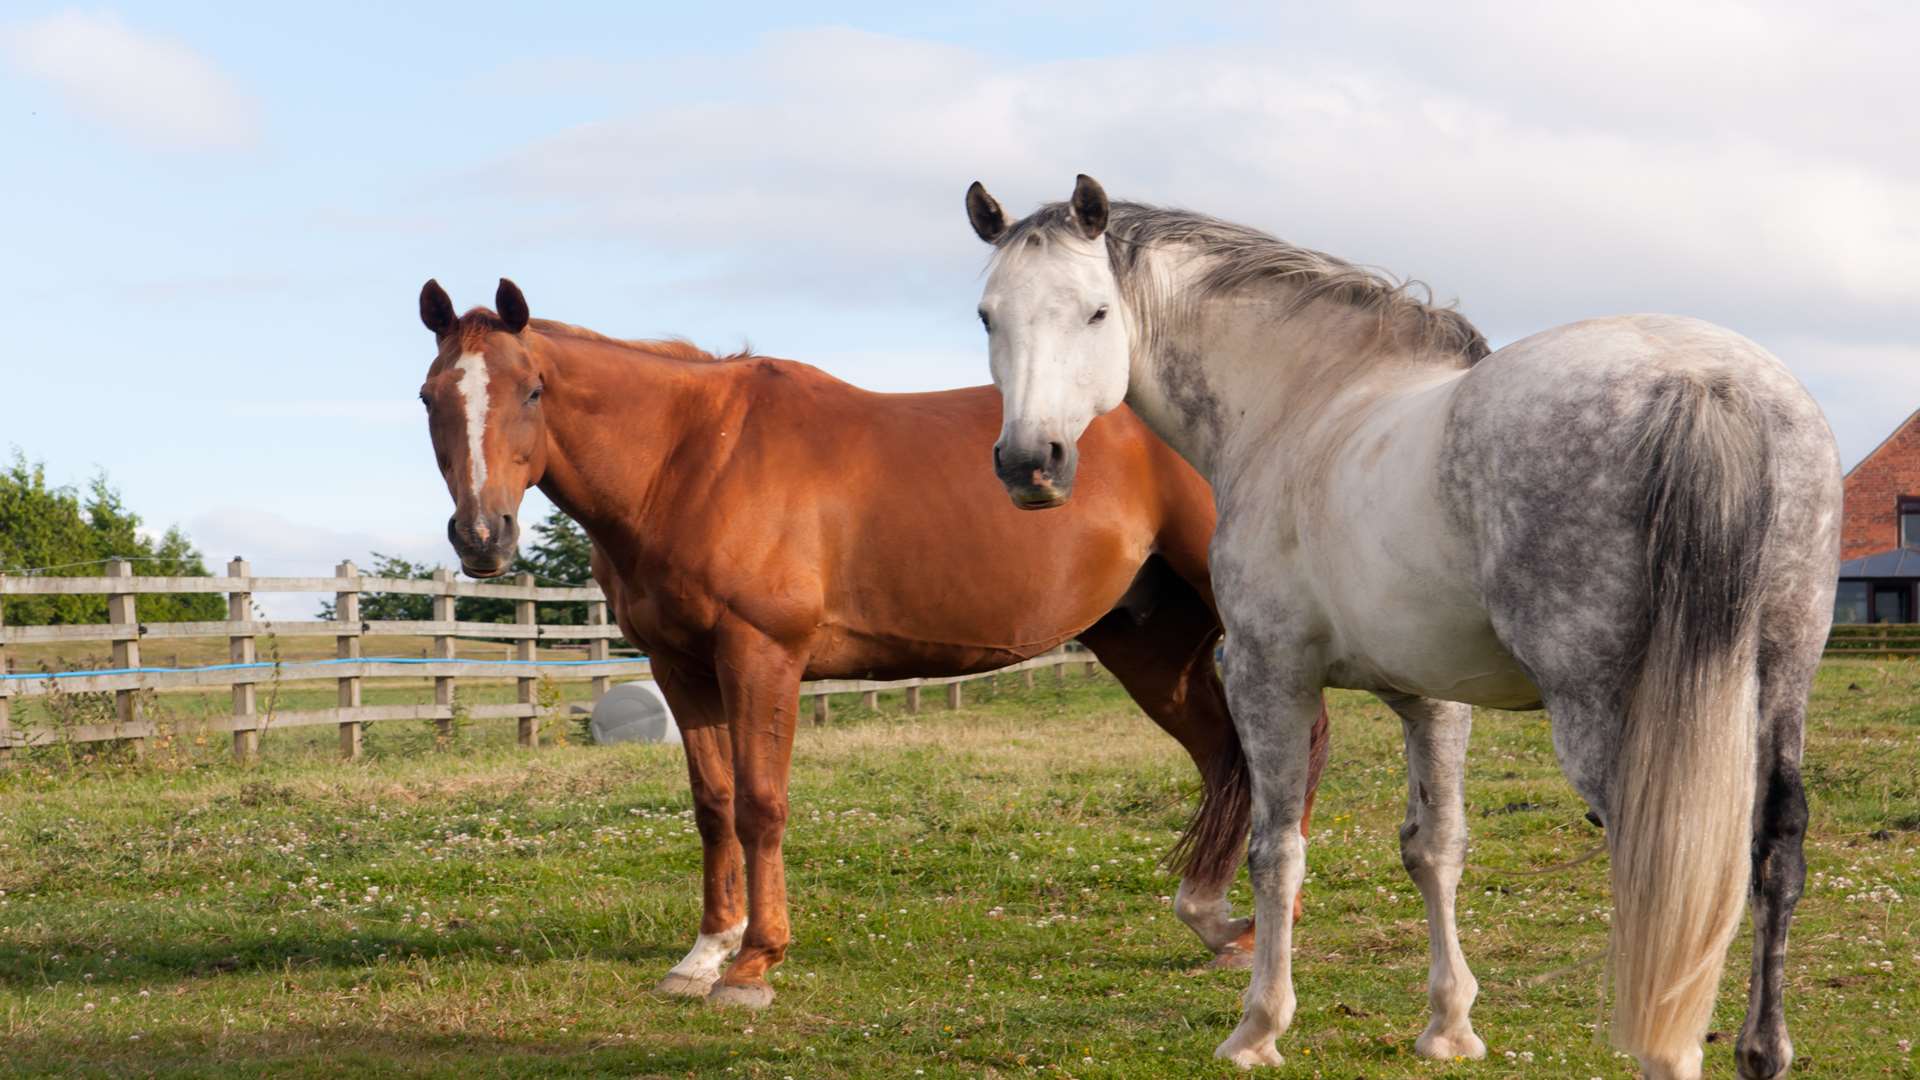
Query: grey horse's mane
x=1236 y=258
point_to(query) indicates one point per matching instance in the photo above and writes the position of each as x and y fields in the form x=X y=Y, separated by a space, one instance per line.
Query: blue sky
x=219 y=214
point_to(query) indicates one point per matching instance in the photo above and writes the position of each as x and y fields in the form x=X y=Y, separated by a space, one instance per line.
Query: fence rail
x=245 y=673
x=1875 y=640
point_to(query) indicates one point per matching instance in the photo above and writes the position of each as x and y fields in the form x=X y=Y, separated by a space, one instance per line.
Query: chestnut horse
x=736 y=535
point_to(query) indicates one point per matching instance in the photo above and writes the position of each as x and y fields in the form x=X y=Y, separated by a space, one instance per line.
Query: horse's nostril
x=996 y=455
x=1056 y=453
x=506 y=524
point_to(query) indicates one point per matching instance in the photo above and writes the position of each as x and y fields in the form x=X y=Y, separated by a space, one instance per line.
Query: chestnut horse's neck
x=615 y=413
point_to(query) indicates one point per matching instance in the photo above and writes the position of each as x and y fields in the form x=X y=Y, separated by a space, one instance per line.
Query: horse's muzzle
x=485 y=542
x=1037 y=473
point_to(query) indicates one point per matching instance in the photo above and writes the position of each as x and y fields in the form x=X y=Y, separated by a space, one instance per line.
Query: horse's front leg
x=1433 y=846
x=1201 y=901
x=760 y=686
x=704 y=736
x=1274 y=712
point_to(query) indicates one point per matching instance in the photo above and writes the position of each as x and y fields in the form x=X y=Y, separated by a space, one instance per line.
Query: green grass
x=974 y=894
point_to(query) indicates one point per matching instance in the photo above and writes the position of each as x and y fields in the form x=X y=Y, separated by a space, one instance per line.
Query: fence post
x=242 y=650
x=1059 y=669
x=598 y=648
x=870 y=699
x=6 y=690
x=524 y=649
x=346 y=612
x=822 y=710
x=126 y=654
x=913 y=698
x=443 y=610
x=953 y=695
x=1026 y=678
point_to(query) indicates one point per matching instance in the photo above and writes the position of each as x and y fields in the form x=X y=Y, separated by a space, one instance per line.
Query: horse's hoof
x=741 y=995
x=1250 y=1057
x=1442 y=1047
x=686 y=985
x=1763 y=1059
x=1231 y=958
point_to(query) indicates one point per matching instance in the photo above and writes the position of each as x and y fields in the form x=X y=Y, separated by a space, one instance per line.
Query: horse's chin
x=1038 y=498
x=483 y=573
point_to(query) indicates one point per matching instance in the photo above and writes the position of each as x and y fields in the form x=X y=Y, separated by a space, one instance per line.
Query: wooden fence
x=244 y=673
x=1879 y=640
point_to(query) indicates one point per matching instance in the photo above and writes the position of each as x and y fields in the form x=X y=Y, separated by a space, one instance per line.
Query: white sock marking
x=710 y=952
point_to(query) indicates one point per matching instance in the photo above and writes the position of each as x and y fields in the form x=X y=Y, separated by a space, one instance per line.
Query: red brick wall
x=1874 y=488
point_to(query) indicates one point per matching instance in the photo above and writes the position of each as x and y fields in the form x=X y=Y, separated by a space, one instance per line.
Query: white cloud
x=1866 y=390
x=279 y=546
x=1743 y=163
x=151 y=87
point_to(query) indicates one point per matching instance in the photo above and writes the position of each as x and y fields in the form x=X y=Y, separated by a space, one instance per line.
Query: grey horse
x=1630 y=522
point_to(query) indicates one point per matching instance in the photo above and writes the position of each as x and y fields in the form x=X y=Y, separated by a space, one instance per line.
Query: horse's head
x=483 y=410
x=1056 y=336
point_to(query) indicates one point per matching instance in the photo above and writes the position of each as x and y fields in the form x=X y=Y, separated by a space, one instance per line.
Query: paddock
x=978 y=897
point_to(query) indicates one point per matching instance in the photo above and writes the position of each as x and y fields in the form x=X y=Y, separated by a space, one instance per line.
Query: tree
x=401 y=606
x=42 y=526
x=561 y=556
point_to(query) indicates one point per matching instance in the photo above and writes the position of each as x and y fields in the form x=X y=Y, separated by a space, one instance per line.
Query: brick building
x=1880 y=534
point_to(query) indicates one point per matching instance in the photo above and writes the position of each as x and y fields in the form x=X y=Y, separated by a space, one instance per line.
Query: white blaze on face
x=473 y=390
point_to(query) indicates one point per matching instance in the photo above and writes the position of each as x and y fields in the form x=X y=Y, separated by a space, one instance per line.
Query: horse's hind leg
x=1433 y=845
x=1779 y=866
x=695 y=700
x=1161 y=651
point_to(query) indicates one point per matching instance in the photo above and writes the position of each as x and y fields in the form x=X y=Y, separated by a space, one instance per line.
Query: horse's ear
x=511 y=305
x=436 y=309
x=989 y=221
x=1089 y=206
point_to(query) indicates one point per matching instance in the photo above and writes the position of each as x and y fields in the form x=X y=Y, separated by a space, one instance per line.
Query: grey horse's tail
x=1681 y=821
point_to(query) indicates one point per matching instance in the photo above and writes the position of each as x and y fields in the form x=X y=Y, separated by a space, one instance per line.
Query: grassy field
x=975 y=894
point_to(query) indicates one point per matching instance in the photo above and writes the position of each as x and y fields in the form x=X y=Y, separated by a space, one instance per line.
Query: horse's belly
x=1419 y=630
x=1454 y=664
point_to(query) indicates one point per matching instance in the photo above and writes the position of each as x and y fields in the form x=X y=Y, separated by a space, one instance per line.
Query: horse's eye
x=534 y=397
x=1098 y=316
x=986 y=323
x=424 y=401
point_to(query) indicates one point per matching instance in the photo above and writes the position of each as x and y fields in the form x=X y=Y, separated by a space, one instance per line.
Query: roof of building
x=1897 y=429
x=1897 y=563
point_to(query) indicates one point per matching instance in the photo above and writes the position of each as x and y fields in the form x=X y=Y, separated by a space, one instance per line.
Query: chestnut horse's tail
x=1215 y=839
